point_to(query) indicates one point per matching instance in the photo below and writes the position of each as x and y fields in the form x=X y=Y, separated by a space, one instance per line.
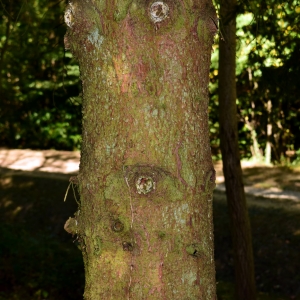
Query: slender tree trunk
x=268 y=150
x=251 y=125
x=240 y=225
x=146 y=175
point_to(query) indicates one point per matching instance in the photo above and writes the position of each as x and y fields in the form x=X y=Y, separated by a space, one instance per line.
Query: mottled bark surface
x=238 y=213
x=146 y=175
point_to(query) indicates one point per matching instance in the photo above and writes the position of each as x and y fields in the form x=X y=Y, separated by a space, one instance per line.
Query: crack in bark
x=179 y=164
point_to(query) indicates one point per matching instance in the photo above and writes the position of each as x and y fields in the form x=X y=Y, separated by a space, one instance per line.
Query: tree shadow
x=280 y=177
x=38 y=258
x=276 y=243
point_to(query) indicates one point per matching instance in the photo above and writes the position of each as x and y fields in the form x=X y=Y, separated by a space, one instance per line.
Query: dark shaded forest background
x=40 y=84
x=40 y=108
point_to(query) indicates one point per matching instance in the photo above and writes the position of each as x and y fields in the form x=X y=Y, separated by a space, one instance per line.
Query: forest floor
x=38 y=260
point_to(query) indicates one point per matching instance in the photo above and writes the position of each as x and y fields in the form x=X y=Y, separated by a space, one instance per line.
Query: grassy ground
x=276 y=243
x=38 y=260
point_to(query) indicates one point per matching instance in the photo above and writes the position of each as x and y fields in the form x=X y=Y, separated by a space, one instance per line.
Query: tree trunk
x=268 y=150
x=146 y=175
x=240 y=225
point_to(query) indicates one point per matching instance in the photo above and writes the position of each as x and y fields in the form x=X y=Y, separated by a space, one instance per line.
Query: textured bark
x=240 y=225
x=146 y=175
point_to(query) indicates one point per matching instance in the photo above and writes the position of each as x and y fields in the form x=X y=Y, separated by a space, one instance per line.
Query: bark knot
x=145 y=185
x=159 y=11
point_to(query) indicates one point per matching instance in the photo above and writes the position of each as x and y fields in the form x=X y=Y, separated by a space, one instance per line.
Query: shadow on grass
x=276 y=243
x=284 y=178
x=39 y=260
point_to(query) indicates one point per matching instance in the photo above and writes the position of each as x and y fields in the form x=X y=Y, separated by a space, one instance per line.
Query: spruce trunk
x=240 y=225
x=146 y=176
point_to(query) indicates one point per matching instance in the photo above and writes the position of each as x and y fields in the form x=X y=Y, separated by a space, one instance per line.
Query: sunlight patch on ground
x=66 y=162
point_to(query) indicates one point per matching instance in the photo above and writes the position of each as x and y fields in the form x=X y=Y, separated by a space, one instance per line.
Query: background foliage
x=39 y=84
x=267 y=70
x=40 y=89
x=41 y=108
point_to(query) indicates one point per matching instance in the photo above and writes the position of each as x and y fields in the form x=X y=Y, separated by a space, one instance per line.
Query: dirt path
x=50 y=161
x=277 y=186
x=266 y=186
